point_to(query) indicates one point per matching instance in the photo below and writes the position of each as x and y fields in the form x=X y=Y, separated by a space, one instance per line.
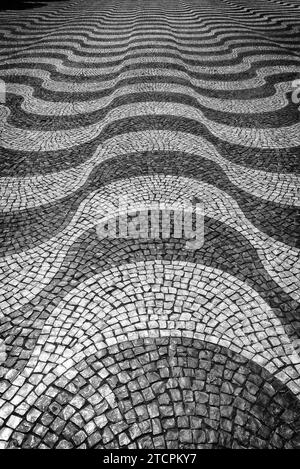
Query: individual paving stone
x=235 y=425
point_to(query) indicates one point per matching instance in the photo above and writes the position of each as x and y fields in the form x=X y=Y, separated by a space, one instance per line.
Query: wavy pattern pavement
x=13 y=138
x=38 y=190
x=33 y=105
x=144 y=340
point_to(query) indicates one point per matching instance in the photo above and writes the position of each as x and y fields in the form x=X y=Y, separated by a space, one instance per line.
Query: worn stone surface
x=140 y=341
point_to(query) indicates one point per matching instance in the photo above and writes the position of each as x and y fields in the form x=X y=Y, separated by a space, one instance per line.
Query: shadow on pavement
x=24 y=4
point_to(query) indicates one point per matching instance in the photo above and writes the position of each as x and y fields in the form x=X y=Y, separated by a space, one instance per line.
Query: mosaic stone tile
x=144 y=342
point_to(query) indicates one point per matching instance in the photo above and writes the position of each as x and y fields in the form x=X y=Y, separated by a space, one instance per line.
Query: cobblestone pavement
x=143 y=343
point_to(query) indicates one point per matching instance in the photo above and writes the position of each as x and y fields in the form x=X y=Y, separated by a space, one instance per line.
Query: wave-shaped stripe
x=89 y=52
x=210 y=29
x=49 y=83
x=226 y=250
x=251 y=309
x=70 y=56
x=109 y=393
x=122 y=22
x=104 y=71
x=32 y=226
x=31 y=104
x=97 y=111
x=270 y=103
x=209 y=24
x=133 y=40
x=256 y=8
x=18 y=163
x=85 y=47
x=34 y=191
x=18 y=138
x=130 y=17
x=114 y=39
x=128 y=20
x=42 y=263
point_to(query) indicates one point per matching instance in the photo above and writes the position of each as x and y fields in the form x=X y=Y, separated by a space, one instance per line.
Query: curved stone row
x=244 y=64
x=228 y=251
x=211 y=36
x=157 y=51
x=15 y=138
x=283 y=118
x=29 y=227
x=40 y=190
x=127 y=19
x=117 y=303
x=280 y=19
x=261 y=78
x=159 y=393
x=26 y=164
x=85 y=40
x=31 y=104
x=86 y=46
x=42 y=262
x=40 y=47
x=256 y=7
x=96 y=26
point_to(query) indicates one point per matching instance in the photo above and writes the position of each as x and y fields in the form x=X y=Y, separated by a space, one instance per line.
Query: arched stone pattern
x=162 y=393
